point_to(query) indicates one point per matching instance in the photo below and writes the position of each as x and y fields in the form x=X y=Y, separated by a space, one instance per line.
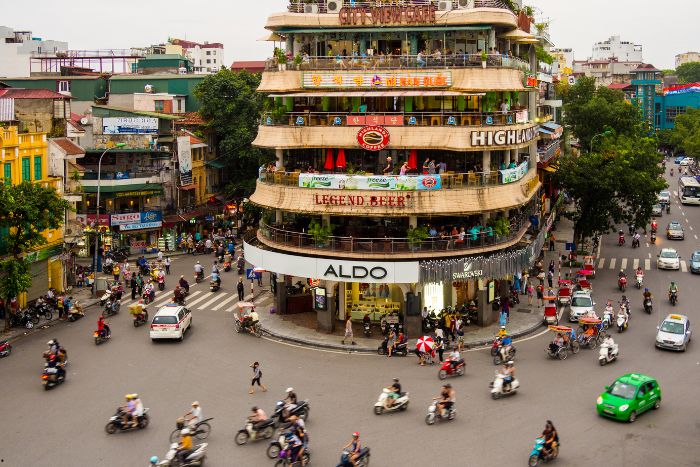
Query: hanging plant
x=320 y=233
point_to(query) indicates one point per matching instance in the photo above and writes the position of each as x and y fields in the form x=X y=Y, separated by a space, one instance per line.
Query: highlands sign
x=503 y=137
x=383 y=15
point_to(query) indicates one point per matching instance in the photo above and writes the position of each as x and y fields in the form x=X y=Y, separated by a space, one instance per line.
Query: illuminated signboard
x=381 y=80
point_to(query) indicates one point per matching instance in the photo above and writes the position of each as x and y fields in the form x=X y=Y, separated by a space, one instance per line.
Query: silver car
x=581 y=304
x=674 y=333
x=657 y=210
x=675 y=231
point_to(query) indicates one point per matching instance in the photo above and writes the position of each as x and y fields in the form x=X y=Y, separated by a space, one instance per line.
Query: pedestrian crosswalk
x=196 y=300
x=612 y=263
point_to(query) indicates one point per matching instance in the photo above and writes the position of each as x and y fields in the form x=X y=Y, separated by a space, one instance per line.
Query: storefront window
x=375 y=300
x=433 y=296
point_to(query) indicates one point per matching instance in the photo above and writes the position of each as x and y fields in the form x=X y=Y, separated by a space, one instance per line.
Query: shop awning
x=550 y=169
x=551 y=126
x=216 y=163
x=142 y=188
x=191 y=186
x=397 y=93
x=546 y=131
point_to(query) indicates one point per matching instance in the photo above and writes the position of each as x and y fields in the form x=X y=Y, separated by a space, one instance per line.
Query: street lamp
x=97 y=217
x=605 y=133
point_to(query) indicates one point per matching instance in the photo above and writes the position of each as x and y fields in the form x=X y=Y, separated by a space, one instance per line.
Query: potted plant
x=320 y=233
x=281 y=58
x=416 y=237
x=484 y=56
x=501 y=227
x=297 y=61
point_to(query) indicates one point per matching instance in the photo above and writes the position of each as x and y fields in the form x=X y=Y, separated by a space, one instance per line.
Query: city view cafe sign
x=409 y=14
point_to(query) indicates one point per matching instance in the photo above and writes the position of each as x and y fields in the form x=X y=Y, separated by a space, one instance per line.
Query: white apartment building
x=623 y=51
x=687 y=58
x=17 y=47
x=206 y=58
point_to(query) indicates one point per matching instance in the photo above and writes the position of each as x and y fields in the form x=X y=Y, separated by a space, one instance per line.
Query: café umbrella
x=340 y=161
x=328 y=165
x=425 y=344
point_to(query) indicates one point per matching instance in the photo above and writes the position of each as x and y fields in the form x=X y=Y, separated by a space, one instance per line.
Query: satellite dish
x=84 y=121
x=148 y=88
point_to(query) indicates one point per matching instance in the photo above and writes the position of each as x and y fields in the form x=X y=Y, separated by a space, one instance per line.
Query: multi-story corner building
x=406 y=157
x=687 y=57
x=613 y=47
x=645 y=79
x=25 y=159
x=17 y=48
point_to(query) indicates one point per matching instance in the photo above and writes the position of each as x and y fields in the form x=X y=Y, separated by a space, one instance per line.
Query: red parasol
x=425 y=344
x=329 y=160
x=413 y=159
x=340 y=161
x=585 y=272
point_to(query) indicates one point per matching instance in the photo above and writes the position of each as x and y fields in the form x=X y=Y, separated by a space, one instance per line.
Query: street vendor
x=136 y=308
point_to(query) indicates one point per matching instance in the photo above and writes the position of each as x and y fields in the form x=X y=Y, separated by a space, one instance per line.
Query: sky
x=663 y=28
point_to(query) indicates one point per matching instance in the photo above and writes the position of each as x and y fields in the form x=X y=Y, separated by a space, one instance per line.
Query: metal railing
x=402 y=62
x=392 y=118
x=548 y=152
x=298 y=6
x=126 y=175
x=472 y=239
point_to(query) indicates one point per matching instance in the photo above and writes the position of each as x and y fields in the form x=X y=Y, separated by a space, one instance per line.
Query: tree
x=618 y=184
x=232 y=108
x=688 y=73
x=589 y=111
x=26 y=211
x=686 y=132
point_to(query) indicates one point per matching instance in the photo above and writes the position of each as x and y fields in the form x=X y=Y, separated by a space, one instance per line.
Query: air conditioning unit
x=334 y=6
x=311 y=8
x=465 y=4
x=445 y=5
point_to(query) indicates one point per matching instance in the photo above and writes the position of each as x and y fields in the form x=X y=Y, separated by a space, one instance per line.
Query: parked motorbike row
x=44 y=307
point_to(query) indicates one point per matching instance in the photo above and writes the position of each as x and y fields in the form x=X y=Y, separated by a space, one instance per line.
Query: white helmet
x=290 y=389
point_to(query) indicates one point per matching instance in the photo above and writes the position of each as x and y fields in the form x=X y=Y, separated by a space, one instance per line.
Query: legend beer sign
x=382 y=15
x=503 y=137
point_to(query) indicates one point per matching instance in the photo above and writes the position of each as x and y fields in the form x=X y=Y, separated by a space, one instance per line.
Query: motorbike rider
x=620 y=236
x=550 y=437
x=256 y=417
x=53 y=362
x=609 y=343
x=127 y=410
x=149 y=290
x=295 y=445
x=216 y=278
x=653 y=226
x=625 y=305
x=185 y=447
x=215 y=268
x=179 y=295
x=184 y=284
x=639 y=273
x=103 y=327
x=198 y=269
x=446 y=399
x=621 y=274
x=194 y=416
x=506 y=346
x=509 y=375
x=635 y=238
x=395 y=389
x=647 y=295
x=353 y=449
x=138 y=410
x=455 y=358
x=673 y=289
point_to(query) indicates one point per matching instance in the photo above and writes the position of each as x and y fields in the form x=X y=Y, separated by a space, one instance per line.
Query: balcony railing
x=448 y=180
x=548 y=152
x=298 y=6
x=402 y=62
x=126 y=175
x=470 y=240
x=395 y=118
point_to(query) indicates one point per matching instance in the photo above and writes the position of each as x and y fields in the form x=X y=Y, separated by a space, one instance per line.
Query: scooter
x=607 y=318
x=51 y=378
x=622 y=284
x=652 y=237
x=673 y=298
x=362 y=459
x=161 y=282
x=635 y=242
x=620 y=240
x=301 y=410
x=503 y=356
x=100 y=338
x=105 y=297
x=622 y=321
x=607 y=354
x=5 y=349
x=141 y=318
x=401 y=349
x=538 y=453
x=198 y=277
x=448 y=370
x=496 y=386
x=227 y=266
x=648 y=305
x=367 y=327
x=400 y=404
x=111 y=308
x=21 y=319
x=640 y=281
x=75 y=313
x=196 y=459
x=434 y=414
x=116 y=422
x=265 y=430
x=214 y=286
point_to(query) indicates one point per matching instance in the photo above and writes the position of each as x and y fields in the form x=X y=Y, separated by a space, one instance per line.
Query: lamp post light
x=605 y=133
x=97 y=217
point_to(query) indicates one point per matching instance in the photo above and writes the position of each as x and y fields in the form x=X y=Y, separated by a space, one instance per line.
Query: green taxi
x=629 y=396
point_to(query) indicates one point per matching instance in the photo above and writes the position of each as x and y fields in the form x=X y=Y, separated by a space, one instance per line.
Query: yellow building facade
x=24 y=157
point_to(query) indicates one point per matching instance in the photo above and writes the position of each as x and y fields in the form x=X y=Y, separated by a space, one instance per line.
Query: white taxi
x=171 y=322
x=668 y=259
x=674 y=333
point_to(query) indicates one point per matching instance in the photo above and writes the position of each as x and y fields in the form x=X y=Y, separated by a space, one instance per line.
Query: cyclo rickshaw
x=564 y=293
x=582 y=282
x=570 y=343
x=589 y=265
x=242 y=319
x=591 y=331
x=551 y=314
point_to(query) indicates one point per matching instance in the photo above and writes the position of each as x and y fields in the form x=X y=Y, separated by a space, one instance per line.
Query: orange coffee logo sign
x=373 y=138
x=414 y=14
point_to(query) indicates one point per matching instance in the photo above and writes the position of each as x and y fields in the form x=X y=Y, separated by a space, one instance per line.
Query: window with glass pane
x=37 y=168
x=7 y=174
x=26 y=170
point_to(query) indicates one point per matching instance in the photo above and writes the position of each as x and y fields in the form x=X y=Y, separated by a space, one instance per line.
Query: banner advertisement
x=378 y=80
x=141 y=226
x=514 y=174
x=125 y=219
x=374 y=182
x=129 y=126
x=137 y=220
x=184 y=157
x=88 y=220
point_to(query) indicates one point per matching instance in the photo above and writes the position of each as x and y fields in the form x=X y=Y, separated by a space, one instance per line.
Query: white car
x=668 y=259
x=687 y=161
x=674 y=333
x=664 y=197
x=171 y=322
x=581 y=303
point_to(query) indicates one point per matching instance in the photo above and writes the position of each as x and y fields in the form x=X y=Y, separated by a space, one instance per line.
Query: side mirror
x=657 y=328
x=607 y=387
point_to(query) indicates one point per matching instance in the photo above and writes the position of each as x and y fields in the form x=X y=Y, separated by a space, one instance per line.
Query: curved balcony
x=456 y=194
x=475 y=242
x=298 y=6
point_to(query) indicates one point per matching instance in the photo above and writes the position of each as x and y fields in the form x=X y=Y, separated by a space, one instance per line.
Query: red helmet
x=52 y=357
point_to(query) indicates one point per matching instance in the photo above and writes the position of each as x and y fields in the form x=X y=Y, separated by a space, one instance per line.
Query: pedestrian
x=439 y=345
x=160 y=256
x=552 y=239
x=167 y=264
x=116 y=272
x=529 y=294
x=252 y=289
x=134 y=287
x=258 y=277
x=460 y=335
x=523 y=286
x=550 y=278
x=257 y=374
x=65 y=308
x=505 y=308
x=551 y=266
x=540 y=295
x=139 y=284
x=348 y=331
x=241 y=289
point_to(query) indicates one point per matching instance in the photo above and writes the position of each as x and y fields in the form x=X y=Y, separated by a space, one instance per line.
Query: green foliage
x=686 y=133
x=529 y=11
x=668 y=72
x=417 y=236
x=543 y=55
x=500 y=226
x=589 y=111
x=15 y=278
x=688 y=73
x=617 y=185
x=232 y=109
x=484 y=56
x=320 y=232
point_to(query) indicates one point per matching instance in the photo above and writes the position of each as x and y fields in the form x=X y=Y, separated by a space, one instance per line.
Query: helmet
x=182 y=277
x=509 y=363
x=279 y=404
x=646 y=290
x=195 y=404
x=396 y=380
x=127 y=396
x=197 y=262
x=134 y=396
x=290 y=389
x=185 y=431
x=673 y=283
x=356 y=434
x=503 y=328
x=254 y=408
x=153 y=459
x=622 y=270
x=52 y=342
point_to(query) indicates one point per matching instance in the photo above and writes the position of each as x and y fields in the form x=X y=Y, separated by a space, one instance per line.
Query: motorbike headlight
x=599 y=400
x=624 y=407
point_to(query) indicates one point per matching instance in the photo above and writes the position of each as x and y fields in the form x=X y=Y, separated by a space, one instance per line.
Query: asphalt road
x=65 y=426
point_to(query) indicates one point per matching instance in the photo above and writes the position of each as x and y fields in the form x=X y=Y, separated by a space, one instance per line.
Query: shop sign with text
x=334 y=271
x=378 y=80
x=88 y=220
x=503 y=137
x=514 y=174
x=378 y=15
x=353 y=200
x=373 y=138
x=374 y=182
x=142 y=226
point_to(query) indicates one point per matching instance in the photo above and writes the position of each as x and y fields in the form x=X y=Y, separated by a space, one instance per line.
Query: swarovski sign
x=468 y=273
x=503 y=137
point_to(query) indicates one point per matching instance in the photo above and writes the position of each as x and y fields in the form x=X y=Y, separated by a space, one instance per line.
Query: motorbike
x=495 y=346
x=362 y=460
x=116 y=422
x=514 y=298
x=101 y=337
x=141 y=318
x=673 y=298
x=285 y=458
x=214 y=286
x=105 y=297
x=503 y=356
x=161 y=282
x=635 y=242
x=265 y=430
x=23 y=319
x=367 y=327
x=255 y=329
x=199 y=277
x=75 y=312
x=400 y=404
x=111 y=308
x=497 y=384
x=42 y=308
x=538 y=453
x=652 y=237
x=51 y=377
x=301 y=410
x=620 y=240
x=199 y=248
x=5 y=349
x=434 y=414
x=607 y=318
x=639 y=282
x=648 y=305
x=195 y=459
x=622 y=321
x=227 y=266
x=607 y=354
x=180 y=300
x=148 y=296
x=400 y=349
x=668 y=208
x=448 y=370
x=622 y=284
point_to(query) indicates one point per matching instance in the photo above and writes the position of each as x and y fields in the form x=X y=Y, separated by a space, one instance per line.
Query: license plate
x=163 y=329
x=609 y=412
